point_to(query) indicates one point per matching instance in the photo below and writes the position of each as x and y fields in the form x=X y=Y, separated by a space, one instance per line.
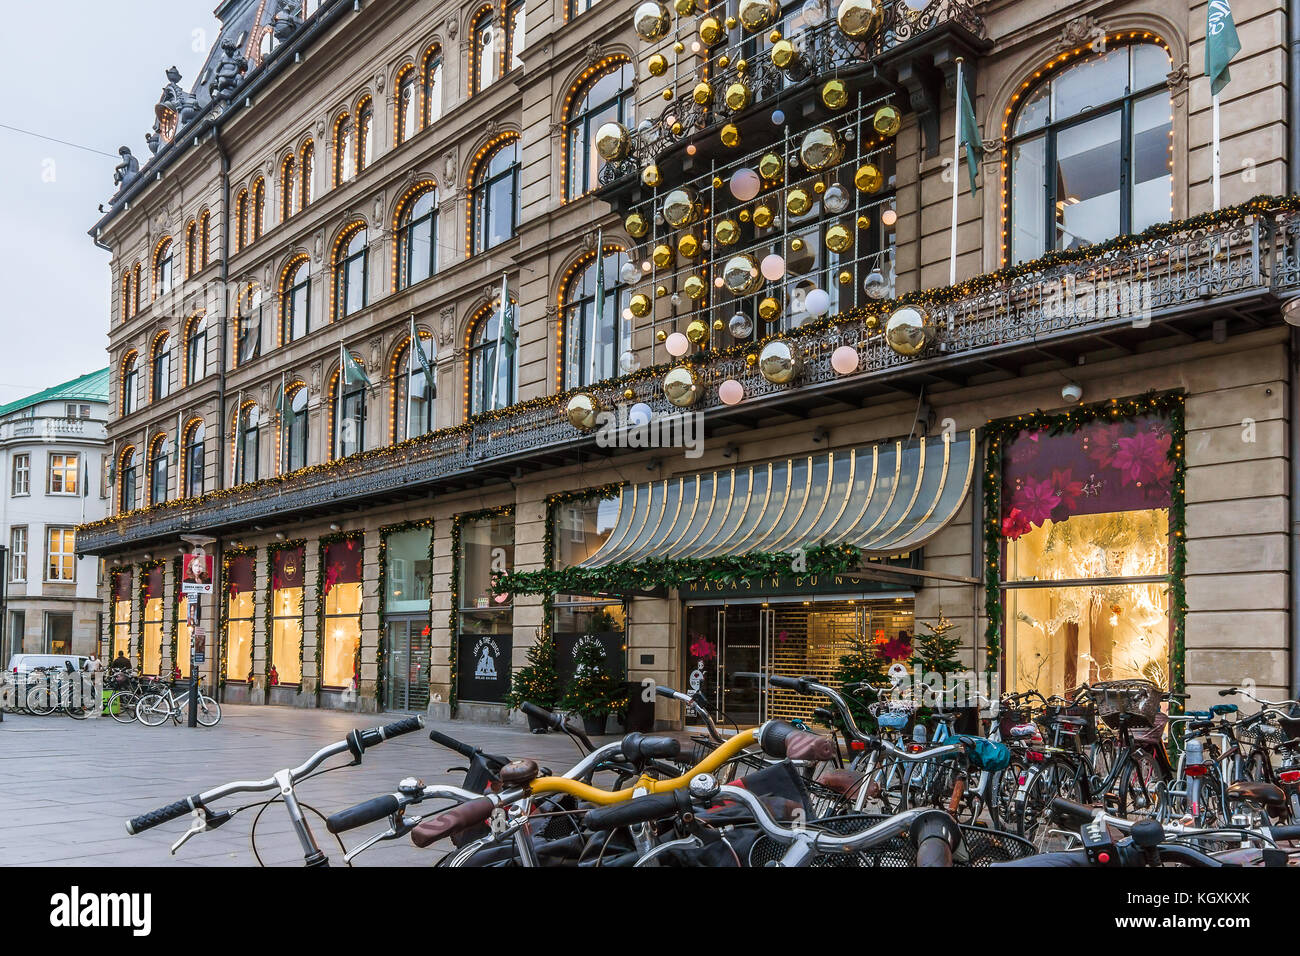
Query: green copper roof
x=92 y=387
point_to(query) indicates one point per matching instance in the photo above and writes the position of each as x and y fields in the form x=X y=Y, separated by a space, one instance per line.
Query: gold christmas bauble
x=864 y=222
x=681 y=207
x=796 y=244
x=819 y=188
x=730 y=136
x=769 y=309
x=613 y=142
x=697 y=332
x=677 y=129
x=583 y=410
x=770 y=166
x=694 y=287
x=679 y=46
x=784 y=55
x=872 y=322
x=717 y=182
x=758 y=15
x=846 y=277
x=869 y=178
x=774 y=36
x=681 y=387
x=738 y=97
x=838 y=238
x=742 y=65
x=668 y=94
x=661 y=291
x=835 y=94
x=718 y=325
x=726 y=232
x=639 y=305
x=661 y=336
x=688 y=246
x=909 y=330
x=858 y=18
x=779 y=362
x=731 y=23
x=650 y=20
x=636 y=225
x=662 y=256
x=657 y=65
x=821 y=148
x=741 y=275
x=684 y=8
x=703 y=93
x=710 y=30
x=798 y=202
x=629 y=394
x=887 y=121
x=763 y=217
x=724 y=61
x=650 y=175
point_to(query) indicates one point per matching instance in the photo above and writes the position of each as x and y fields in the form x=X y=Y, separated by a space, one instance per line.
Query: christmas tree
x=935 y=653
x=593 y=690
x=866 y=665
x=538 y=681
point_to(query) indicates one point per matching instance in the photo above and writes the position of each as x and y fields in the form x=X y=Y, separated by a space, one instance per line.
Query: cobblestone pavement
x=66 y=786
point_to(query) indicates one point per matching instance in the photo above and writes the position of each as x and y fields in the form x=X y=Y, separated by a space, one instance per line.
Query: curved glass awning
x=884 y=499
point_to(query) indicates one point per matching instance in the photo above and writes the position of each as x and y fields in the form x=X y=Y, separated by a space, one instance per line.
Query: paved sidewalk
x=66 y=786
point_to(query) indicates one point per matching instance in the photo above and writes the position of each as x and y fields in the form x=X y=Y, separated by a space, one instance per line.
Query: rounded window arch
x=351 y=271
x=295 y=299
x=365 y=114
x=130 y=395
x=128 y=483
x=1090 y=152
x=160 y=451
x=592 y=303
x=257 y=210
x=294 y=430
x=248 y=442
x=164 y=267
x=605 y=93
x=492 y=372
x=344 y=161
x=126 y=293
x=137 y=285
x=306 y=172
x=191 y=247
x=241 y=220
x=415 y=388
x=160 y=366
x=288 y=186
x=431 y=94
x=485 y=50
x=416 y=227
x=494 y=208
x=193 y=457
x=196 y=349
x=406 y=106
x=248 y=324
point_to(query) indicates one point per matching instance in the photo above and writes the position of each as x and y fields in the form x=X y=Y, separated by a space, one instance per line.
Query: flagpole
x=410 y=373
x=338 y=406
x=956 y=183
x=239 y=413
x=598 y=306
x=1217 y=158
x=284 y=440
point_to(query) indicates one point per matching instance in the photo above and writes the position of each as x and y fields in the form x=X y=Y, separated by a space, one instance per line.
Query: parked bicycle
x=154 y=709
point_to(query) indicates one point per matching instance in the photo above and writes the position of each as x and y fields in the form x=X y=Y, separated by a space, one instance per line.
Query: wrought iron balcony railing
x=1248 y=259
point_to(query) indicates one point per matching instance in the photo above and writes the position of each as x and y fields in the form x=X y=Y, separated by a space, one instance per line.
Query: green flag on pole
x=970 y=135
x=425 y=366
x=1221 y=44
x=352 y=370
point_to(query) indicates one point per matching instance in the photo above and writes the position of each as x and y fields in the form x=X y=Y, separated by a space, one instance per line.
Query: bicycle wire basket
x=982 y=847
x=1136 y=698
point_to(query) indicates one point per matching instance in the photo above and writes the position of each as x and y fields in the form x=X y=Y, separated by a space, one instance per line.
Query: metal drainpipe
x=225 y=303
x=1293 y=346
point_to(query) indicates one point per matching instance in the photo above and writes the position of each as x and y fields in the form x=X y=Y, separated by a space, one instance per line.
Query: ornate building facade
x=409 y=294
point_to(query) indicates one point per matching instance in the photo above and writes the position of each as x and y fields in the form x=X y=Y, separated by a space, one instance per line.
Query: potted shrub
x=592 y=693
x=537 y=682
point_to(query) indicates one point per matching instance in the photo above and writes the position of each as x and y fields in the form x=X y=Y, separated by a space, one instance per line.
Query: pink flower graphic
x=1015 y=524
x=1037 y=499
x=703 y=649
x=1066 y=488
x=1143 y=457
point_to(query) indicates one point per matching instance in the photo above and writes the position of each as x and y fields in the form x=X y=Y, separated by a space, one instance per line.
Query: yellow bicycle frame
x=709 y=764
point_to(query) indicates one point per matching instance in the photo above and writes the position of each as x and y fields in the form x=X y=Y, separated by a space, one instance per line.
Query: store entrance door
x=724 y=643
x=406 y=664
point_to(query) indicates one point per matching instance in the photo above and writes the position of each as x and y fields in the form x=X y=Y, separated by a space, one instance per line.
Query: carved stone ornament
x=452 y=27
x=314 y=385
x=1080 y=31
x=449 y=170
x=447 y=331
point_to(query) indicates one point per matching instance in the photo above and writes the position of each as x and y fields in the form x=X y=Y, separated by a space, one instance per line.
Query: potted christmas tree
x=592 y=693
x=866 y=665
x=537 y=682
x=934 y=657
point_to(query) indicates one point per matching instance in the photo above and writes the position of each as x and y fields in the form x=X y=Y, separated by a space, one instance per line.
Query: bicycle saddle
x=638 y=748
x=1269 y=794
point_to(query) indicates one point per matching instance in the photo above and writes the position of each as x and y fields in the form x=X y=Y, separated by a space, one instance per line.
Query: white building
x=52 y=451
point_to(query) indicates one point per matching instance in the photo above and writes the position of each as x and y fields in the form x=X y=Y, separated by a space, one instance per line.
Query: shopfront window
x=486 y=639
x=241 y=578
x=579 y=529
x=183 y=635
x=286 y=616
x=121 y=581
x=1085 y=522
x=152 y=637
x=341 y=629
x=408 y=571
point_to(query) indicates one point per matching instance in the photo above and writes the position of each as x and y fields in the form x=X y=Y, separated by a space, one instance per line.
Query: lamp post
x=196 y=581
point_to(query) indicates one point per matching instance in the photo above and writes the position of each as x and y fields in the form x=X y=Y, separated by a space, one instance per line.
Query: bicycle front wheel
x=153 y=710
x=40 y=701
x=121 y=706
x=209 y=711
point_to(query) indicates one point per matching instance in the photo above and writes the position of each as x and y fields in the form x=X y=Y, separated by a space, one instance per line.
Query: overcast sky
x=88 y=72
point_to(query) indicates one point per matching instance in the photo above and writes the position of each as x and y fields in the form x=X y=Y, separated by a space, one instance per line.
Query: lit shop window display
x=341 y=631
x=240 y=581
x=152 y=636
x=286 y=616
x=1085 y=521
x=183 y=636
x=121 y=612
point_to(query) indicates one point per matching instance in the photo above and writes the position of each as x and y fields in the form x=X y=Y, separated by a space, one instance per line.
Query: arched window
x=248 y=443
x=160 y=373
x=129 y=479
x=195 y=458
x=196 y=350
x=605 y=98
x=415 y=388
x=205 y=231
x=495 y=204
x=417 y=237
x=248 y=330
x=595 y=334
x=130 y=382
x=191 y=248
x=306 y=170
x=431 y=96
x=288 y=186
x=126 y=294
x=515 y=30
x=164 y=268
x=406 y=111
x=365 y=131
x=485 y=52
x=1091 y=153
x=351 y=275
x=349 y=416
x=295 y=300
x=257 y=210
x=241 y=220
x=293 y=427
x=493 y=360
x=137 y=284
x=344 y=163
x=159 y=463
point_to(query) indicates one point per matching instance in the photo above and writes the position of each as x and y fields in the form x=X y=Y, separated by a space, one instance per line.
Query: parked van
x=26 y=663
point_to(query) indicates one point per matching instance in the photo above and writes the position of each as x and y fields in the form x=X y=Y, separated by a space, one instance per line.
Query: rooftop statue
x=178 y=99
x=287 y=19
x=229 y=72
x=128 y=170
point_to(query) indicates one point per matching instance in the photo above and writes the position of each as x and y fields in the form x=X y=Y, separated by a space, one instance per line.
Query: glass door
x=406 y=664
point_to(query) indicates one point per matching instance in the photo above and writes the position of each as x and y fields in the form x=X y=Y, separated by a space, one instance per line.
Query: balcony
x=1167 y=291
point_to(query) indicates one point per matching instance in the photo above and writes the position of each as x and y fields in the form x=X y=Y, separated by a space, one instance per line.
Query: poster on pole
x=197 y=577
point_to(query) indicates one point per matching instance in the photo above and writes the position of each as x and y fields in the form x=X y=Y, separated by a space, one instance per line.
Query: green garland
x=178 y=572
x=223 y=613
x=144 y=568
x=325 y=542
x=1000 y=433
x=653 y=573
x=453 y=621
x=271 y=552
x=384 y=533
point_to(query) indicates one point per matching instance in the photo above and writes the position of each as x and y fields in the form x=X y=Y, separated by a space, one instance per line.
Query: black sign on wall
x=566 y=649
x=483 y=667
